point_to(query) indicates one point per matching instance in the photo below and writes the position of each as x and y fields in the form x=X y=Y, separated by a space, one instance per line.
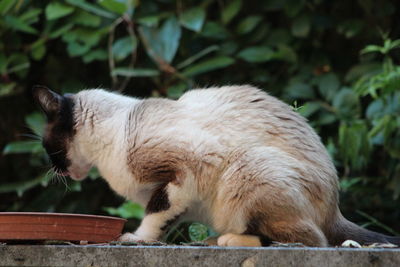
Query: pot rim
x=58 y=214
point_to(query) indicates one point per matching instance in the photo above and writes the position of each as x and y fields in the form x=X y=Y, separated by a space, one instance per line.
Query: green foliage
x=341 y=72
x=193 y=18
x=127 y=210
x=162 y=43
x=198 y=232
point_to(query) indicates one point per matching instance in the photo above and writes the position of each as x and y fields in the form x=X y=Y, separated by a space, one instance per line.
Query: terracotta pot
x=59 y=226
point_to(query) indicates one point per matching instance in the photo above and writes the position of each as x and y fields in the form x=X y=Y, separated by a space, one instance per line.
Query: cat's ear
x=49 y=101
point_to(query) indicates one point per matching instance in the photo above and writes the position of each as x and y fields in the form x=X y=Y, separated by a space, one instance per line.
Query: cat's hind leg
x=237 y=240
x=300 y=231
x=282 y=232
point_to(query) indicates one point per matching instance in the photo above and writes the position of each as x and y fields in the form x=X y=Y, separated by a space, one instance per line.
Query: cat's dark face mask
x=59 y=130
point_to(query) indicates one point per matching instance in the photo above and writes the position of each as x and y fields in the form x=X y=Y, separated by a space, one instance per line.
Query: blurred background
x=336 y=62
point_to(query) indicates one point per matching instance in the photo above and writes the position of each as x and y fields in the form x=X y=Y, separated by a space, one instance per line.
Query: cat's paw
x=235 y=240
x=129 y=237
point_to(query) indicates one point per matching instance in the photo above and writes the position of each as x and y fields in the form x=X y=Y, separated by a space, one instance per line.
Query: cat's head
x=59 y=138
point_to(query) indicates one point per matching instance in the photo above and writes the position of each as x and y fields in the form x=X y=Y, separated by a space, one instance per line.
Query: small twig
x=327 y=106
x=161 y=63
x=131 y=32
x=111 y=63
x=377 y=223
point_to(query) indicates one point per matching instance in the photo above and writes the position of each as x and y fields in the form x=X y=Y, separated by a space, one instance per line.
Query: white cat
x=233 y=158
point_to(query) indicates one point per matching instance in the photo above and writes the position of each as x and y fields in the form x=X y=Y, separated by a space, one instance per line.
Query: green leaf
x=376 y=109
x=395 y=44
x=84 y=37
x=60 y=31
x=354 y=145
x=86 y=19
x=131 y=72
x=19 y=67
x=170 y=34
x=248 y=24
x=36 y=121
x=214 y=30
x=209 y=65
x=326 y=118
x=18 y=62
x=228 y=48
x=149 y=21
x=193 y=19
x=98 y=54
x=364 y=69
x=127 y=210
x=301 y=26
x=114 y=6
x=38 y=49
x=285 y=53
x=176 y=90
x=94 y=173
x=164 y=42
x=347 y=104
x=380 y=125
x=299 y=90
x=388 y=105
x=124 y=47
x=91 y=8
x=198 y=232
x=346 y=184
x=21 y=187
x=197 y=56
x=256 y=54
x=309 y=108
x=76 y=49
x=57 y=10
x=20 y=147
x=328 y=84
x=371 y=48
x=6 y=5
x=7 y=89
x=31 y=16
x=18 y=24
x=231 y=10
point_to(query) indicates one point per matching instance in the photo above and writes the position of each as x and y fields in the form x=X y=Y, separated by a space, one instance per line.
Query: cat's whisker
x=32 y=136
x=57 y=152
x=65 y=182
x=50 y=173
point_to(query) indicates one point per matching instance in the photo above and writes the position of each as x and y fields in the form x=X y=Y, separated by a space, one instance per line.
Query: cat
x=233 y=158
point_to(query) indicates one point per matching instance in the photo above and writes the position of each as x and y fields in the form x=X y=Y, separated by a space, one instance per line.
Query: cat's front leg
x=164 y=209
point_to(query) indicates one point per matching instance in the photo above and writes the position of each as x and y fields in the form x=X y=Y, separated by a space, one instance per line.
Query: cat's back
x=242 y=108
x=227 y=95
x=246 y=115
x=241 y=101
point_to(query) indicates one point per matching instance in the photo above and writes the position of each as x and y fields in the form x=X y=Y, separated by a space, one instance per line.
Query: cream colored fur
x=238 y=156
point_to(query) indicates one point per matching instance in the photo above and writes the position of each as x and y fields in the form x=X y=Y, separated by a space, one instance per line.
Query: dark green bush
x=336 y=62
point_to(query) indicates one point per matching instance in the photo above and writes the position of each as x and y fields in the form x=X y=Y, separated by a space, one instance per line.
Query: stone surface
x=56 y=255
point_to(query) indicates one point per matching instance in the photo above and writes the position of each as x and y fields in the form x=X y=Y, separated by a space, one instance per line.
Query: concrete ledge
x=56 y=255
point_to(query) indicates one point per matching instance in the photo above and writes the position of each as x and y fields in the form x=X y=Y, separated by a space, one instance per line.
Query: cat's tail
x=342 y=230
